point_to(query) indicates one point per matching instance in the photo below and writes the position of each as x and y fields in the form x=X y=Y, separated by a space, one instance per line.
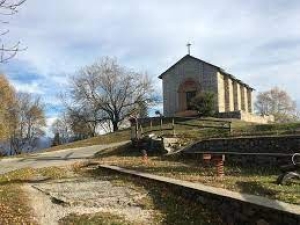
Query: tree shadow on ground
x=126 y=150
x=179 y=208
x=21 y=181
x=175 y=208
x=49 y=158
x=256 y=188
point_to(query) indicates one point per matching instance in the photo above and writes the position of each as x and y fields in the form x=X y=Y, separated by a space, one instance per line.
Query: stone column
x=242 y=97
x=249 y=93
x=246 y=99
x=237 y=96
x=229 y=96
x=221 y=93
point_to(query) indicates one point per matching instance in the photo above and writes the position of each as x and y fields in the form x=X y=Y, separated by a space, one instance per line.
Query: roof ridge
x=220 y=69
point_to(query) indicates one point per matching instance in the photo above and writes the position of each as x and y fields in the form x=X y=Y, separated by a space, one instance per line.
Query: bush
x=204 y=103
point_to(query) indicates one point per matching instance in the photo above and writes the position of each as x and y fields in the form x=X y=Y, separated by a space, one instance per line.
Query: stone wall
x=262 y=151
x=264 y=144
x=234 y=208
x=247 y=117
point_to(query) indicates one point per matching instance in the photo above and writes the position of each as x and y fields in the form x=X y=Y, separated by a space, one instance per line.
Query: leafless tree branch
x=9 y=7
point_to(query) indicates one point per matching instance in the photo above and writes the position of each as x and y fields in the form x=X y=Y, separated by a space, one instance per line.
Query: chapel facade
x=190 y=75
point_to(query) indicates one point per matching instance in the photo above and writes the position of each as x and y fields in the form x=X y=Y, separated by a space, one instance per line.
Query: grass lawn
x=190 y=130
x=14 y=203
x=110 y=138
x=193 y=129
x=256 y=181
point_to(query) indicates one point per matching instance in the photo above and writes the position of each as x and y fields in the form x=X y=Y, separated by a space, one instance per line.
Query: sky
x=257 y=41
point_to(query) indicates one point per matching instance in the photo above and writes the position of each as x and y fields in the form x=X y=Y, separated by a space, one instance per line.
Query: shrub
x=204 y=103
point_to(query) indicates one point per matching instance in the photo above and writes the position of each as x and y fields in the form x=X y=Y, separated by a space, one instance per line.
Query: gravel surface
x=52 y=201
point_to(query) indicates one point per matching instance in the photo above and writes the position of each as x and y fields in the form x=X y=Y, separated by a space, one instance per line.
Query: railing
x=191 y=127
x=143 y=126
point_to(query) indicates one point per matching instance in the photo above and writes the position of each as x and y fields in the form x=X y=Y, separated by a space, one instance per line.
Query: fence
x=170 y=125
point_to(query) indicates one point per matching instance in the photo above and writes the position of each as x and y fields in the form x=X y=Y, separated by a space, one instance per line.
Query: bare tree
x=276 y=102
x=29 y=121
x=8 y=8
x=108 y=92
x=62 y=126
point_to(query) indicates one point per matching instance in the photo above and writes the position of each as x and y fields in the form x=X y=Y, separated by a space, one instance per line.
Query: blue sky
x=257 y=41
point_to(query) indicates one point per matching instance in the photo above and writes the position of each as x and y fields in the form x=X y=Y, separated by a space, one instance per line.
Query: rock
x=262 y=222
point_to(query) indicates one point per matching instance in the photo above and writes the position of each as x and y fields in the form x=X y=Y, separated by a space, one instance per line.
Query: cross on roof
x=189 y=47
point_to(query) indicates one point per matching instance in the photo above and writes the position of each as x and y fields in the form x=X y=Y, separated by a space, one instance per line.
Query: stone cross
x=189 y=48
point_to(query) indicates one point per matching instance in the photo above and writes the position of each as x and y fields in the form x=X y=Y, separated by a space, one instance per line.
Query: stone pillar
x=246 y=99
x=237 y=96
x=229 y=96
x=242 y=97
x=221 y=93
x=249 y=93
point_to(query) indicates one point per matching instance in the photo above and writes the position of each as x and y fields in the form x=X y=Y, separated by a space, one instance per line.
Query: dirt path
x=52 y=201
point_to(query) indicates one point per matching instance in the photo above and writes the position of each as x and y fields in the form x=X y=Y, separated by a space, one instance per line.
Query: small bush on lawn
x=204 y=103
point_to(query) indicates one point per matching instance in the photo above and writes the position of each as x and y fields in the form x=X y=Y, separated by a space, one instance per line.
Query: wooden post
x=161 y=123
x=144 y=156
x=174 y=131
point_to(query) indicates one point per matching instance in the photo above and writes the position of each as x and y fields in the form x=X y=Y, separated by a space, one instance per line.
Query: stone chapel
x=190 y=75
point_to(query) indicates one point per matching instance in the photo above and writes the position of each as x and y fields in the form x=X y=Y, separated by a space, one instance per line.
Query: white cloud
x=257 y=41
x=32 y=88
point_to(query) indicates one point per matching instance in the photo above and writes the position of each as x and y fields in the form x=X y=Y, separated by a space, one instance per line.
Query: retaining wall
x=248 y=117
x=234 y=208
x=264 y=150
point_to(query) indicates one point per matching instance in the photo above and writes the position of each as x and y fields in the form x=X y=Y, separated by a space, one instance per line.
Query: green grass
x=246 y=129
x=109 y=138
x=256 y=181
x=14 y=203
x=29 y=174
x=101 y=218
x=192 y=129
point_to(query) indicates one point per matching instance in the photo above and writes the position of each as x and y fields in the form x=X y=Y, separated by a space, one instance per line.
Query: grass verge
x=110 y=138
x=103 y=218
x=256 y=181
x=14 y=203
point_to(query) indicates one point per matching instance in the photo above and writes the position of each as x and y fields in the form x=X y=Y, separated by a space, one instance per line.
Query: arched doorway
x=186 y=91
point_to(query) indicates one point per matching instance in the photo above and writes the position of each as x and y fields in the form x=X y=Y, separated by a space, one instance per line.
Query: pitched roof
x=222 y=71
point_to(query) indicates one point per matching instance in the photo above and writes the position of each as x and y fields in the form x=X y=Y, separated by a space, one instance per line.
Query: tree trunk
x=115 y=126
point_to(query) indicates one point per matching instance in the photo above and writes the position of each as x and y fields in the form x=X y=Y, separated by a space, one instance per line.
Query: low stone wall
x=248 y=117
x=265 y=150
x=234 y=208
